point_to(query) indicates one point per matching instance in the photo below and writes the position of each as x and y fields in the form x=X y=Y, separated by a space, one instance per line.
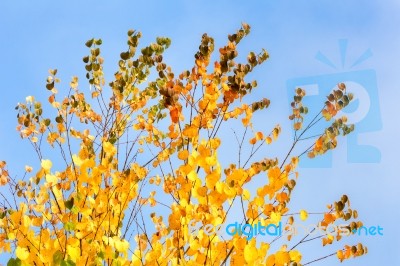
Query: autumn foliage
x=139 y=164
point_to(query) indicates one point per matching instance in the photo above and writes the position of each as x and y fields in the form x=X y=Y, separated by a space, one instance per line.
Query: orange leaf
x=174 y=113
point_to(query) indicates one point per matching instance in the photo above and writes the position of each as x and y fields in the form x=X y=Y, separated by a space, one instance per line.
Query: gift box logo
x=363 y=111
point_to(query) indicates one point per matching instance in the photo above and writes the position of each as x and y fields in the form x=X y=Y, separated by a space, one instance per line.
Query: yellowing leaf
x=268 y=140
x=22 y=253
x=303 y=215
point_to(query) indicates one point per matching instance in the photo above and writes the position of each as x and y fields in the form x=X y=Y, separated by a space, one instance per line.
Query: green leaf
x=57 y=257
x=112 y=140
x=339 y=206
x=67 y=263
x=69 y=226
x=69 y=203
x=124 y=55
x=96 y=67
x=59 y=119
x=89 y=43
x=47 y=122
x=75 y=210
x=14 y=262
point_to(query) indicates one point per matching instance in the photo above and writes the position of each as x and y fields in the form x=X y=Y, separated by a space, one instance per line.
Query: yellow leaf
x=273 y=174
x=202 y=191
x=270 y=260
x=275 y=217
x=174 y=221
x=259 y=135
x=30 y=99
x=73 y=252
x=190 y=132
x=295 y=256
x=77 y=161
x=11 y=236
x=268 y=140
x=183 y=155
x=121 y=245
x=214 y=143
x=295 y=160
x=22 y=253
x=109 y=148
x=250 y=253
x=245 y=121
x=340 y=255
x=51 y=179
x=282 y=258
x=37 y=221
x=46 y=165
x=303 y=215
x=28 y=168
x=246 y=194
x=297 y=125
x=276 y=131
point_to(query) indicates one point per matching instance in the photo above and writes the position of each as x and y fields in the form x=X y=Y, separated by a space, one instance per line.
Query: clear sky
x=311 y=42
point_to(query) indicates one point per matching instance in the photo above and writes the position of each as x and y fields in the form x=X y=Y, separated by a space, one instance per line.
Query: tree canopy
x=138 y=175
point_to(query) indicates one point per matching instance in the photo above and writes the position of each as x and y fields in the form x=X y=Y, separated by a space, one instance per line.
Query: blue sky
x=36 y=36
